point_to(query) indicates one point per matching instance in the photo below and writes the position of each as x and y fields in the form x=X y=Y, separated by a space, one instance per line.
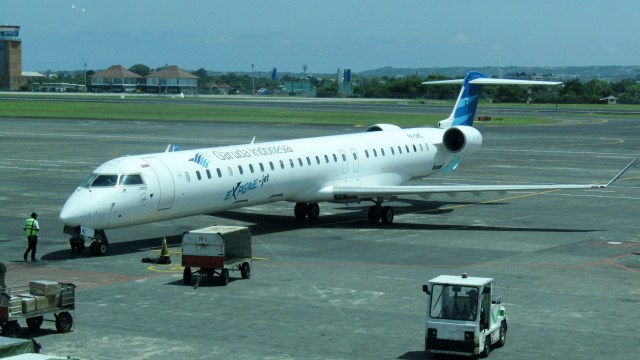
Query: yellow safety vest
x=30 y=226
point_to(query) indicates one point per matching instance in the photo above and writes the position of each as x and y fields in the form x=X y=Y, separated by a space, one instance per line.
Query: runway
x=566 y=262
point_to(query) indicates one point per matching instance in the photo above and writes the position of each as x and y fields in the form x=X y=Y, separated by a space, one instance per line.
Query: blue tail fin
x=465 y=108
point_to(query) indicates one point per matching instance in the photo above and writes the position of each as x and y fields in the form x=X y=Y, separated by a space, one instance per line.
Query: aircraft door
x=165 y=182
x=356 y=160
x=345 y=161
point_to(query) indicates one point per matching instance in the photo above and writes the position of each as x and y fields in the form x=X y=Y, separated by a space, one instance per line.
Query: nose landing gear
x=99 y=244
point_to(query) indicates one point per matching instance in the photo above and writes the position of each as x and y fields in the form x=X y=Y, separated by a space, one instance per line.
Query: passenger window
x=318 y=159
x=240 y=170
x=344 y=157
x=355 y=156
x=186 y=176
x=230 y=171
x=382 y=151
x=366 y=152
x=415 y=149
x=198 y=175
x=131 y=180
x=399 y=149
x=308 y=161
x=291 y=163
x=375 y=153
x=392 y=151
x=251 y=168
x=335 y=158
x=281 y=164
x=407 y=147
x=326 y=159
x=219 y=172
x=271 y=166
x=208 y=174
x=261 y=167
x=300 y=162
x=421 y=148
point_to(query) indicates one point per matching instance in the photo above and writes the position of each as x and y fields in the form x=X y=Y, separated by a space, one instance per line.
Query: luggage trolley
x=40 y=301
x=216 y=250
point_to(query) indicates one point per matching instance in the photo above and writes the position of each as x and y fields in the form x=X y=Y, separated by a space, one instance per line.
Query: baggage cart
x=40 y=301
x=216 y=250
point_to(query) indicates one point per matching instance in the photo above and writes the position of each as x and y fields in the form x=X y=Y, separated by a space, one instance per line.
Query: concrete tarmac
x=566 y=262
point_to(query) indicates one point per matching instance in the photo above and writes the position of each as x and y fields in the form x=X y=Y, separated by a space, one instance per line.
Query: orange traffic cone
x=164 y=253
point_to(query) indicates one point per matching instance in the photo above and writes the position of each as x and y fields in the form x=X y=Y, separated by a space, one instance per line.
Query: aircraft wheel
x=101 y=248
x=245 y=270
x=101 y=244
x=374 y=214
x=224 y=277
x=313 y=211
x=186 y=275
x=387 y=215
x=34 y=323
x=300 y=211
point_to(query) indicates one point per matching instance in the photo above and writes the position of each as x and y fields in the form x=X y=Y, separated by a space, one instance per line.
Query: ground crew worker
x=32 y=228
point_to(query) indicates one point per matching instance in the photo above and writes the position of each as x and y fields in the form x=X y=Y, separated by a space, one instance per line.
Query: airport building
x=10 y=58
x=115 y=79
x=171 y=80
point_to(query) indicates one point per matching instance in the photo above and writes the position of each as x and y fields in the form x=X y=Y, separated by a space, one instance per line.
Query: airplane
x=368 y=166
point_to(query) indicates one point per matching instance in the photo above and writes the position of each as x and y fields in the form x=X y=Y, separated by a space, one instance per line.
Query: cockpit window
x=97 y=180
x=131 y=179
x=105 y=181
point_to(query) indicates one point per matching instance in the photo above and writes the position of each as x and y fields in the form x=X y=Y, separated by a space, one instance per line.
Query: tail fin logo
x=465 y=108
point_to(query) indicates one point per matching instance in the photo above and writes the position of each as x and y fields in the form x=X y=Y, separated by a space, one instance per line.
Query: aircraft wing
x=341 y=192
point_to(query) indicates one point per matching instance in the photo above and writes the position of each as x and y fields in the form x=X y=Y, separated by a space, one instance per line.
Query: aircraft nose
x=70 y=214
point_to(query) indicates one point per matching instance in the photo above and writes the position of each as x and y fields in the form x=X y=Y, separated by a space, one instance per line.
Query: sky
x=325 y=35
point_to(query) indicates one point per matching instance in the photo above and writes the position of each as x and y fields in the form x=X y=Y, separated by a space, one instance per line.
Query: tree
x=140 y=69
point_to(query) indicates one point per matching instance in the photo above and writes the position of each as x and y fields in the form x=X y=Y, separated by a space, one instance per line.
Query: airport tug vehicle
x=464 y=316
x=216 y=250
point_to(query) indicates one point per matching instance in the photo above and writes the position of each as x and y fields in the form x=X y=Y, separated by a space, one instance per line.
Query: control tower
x=10 y=57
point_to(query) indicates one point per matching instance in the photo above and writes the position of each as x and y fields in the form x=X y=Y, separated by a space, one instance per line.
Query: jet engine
x=459 y=139
x=383 y=127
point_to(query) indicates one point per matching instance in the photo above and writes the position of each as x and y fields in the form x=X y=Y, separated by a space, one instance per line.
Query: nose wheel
x=100 y=244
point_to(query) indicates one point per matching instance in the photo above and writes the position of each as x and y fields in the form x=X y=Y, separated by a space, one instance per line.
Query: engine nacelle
x=459 y=139
x=383 y=127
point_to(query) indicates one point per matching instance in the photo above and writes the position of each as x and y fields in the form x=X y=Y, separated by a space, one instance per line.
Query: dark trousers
x=33 y=243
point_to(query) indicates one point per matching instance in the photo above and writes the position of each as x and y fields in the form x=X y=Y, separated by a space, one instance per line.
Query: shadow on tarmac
x=274 y=223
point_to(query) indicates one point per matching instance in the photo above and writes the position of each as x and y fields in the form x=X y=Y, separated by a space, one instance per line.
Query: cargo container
x=216 y=250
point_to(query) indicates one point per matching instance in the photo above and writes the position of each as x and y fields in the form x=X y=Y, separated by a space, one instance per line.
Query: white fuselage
x=185 y=183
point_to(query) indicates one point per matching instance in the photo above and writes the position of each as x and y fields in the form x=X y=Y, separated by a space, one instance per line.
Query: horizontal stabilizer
x=492 y=81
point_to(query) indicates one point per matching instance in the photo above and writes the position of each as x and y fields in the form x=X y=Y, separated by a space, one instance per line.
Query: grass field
x=203 y=110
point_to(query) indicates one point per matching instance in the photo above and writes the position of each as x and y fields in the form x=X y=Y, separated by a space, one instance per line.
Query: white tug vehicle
x=464 y=316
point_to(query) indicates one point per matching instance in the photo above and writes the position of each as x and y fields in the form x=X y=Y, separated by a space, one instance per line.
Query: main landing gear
x=310 y=211
x=377 y=212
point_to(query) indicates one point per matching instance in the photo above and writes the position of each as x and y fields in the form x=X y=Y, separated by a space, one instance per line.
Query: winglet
x=618 y=175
